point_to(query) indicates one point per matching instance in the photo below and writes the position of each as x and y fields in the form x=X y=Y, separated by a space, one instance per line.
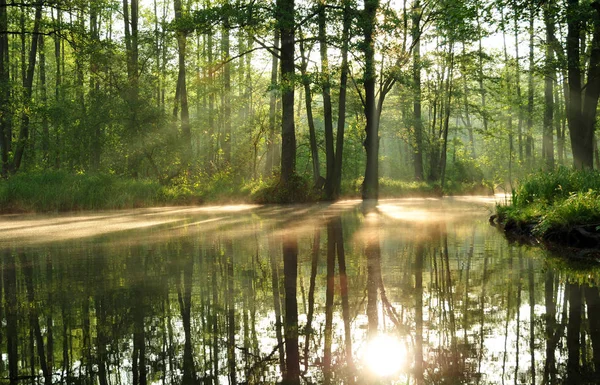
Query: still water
x=423 y=292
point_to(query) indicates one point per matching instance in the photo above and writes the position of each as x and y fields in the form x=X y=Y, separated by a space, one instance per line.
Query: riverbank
x=60 y=191
x=562 y=207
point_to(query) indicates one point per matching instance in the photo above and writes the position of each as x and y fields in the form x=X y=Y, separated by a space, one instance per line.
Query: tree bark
x=341 y=123
x=327 y=112
x=272 y=108
x=417 y=120
x=314 y=149
x=548 y=143
x=285 y=17
x=226 y=96
x=370 y=188
x=28 y=90
x=5 y=109
x=581 y=112
x=181 y=85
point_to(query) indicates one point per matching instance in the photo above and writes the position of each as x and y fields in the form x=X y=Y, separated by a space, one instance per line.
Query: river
x=424 y=291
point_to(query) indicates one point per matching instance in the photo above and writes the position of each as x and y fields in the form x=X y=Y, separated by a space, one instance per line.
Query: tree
x=582 y=105
x=285 y=16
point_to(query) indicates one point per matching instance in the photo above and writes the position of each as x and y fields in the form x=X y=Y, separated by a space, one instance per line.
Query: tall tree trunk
x=341 y=123
x=271 y=139
x=5 y=109
x=327 y=113
x=549 y=73
x=581 y=112
x=370 y=188
x=467 y=116
x=285 y=17
x=57 y=87
x=211 y=104
x=417 y=120
x=530 y=90
x=181 y=85
x=447 y=109
x=519 y=96
x=226 y=96
x=480 y=75
x=314 y=149
x=44 y=100
x=28 y=89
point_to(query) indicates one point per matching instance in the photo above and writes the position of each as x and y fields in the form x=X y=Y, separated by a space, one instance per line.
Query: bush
x=554 y=202
x=297 y=190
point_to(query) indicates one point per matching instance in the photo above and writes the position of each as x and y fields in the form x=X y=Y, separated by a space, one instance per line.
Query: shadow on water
x=416 y=291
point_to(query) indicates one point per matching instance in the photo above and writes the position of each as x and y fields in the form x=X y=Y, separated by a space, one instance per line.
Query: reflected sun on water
x=384 y=355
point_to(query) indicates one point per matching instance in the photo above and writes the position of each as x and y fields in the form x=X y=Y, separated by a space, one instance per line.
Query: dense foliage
x=259 y=93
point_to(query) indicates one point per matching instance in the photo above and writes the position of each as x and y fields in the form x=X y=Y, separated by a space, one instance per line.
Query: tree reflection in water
x=326 y=296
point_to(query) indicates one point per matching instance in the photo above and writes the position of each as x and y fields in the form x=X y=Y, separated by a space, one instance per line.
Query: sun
x=384 y=355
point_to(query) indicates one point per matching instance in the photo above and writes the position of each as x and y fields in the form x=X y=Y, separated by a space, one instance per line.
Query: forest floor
x=61 y=191
x=561 y=207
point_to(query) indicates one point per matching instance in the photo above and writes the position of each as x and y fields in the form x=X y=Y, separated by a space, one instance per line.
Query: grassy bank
x=52 y=191
x=562 y=206
x=62 y=191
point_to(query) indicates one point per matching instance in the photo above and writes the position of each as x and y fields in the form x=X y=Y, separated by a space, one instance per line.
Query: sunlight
x=384 y=355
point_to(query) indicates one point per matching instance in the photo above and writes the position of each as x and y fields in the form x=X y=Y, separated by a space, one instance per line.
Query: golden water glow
x=384 y=355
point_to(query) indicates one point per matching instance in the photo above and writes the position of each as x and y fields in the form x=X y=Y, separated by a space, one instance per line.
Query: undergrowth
x=553 y=202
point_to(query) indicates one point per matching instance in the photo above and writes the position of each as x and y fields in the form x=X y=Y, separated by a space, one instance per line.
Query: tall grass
x=63 y=191
x=555 y=201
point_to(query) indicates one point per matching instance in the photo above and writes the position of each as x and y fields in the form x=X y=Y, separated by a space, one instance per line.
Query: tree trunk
x=285 y=17
x=370 y=188
x=28 y=90
x=480 y=70
x=417 y=120
x=272 y=108
x=530 y=90
x=581 y=113
x=341 y=123
x=548 y=143
x=519 y=97
x=181 y=85
x=327 y=113
x=226 y=96
x=5 y=109
x=314 y=149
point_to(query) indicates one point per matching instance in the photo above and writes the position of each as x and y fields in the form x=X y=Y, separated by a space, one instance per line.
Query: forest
x=298 y=99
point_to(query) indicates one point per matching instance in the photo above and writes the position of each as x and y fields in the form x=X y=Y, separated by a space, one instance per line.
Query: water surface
x=423 y=292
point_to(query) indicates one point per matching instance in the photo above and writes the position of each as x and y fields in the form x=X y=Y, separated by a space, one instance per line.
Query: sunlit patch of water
x=385 y=355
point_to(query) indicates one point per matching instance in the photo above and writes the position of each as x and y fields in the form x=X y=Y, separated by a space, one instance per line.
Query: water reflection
x=420 y=292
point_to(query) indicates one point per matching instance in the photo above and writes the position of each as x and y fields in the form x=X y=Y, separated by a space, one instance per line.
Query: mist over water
x=421 y=291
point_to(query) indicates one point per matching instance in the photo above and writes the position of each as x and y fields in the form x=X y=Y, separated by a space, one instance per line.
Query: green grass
x=394 y=188
x=63 y=191
x=554 y=202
